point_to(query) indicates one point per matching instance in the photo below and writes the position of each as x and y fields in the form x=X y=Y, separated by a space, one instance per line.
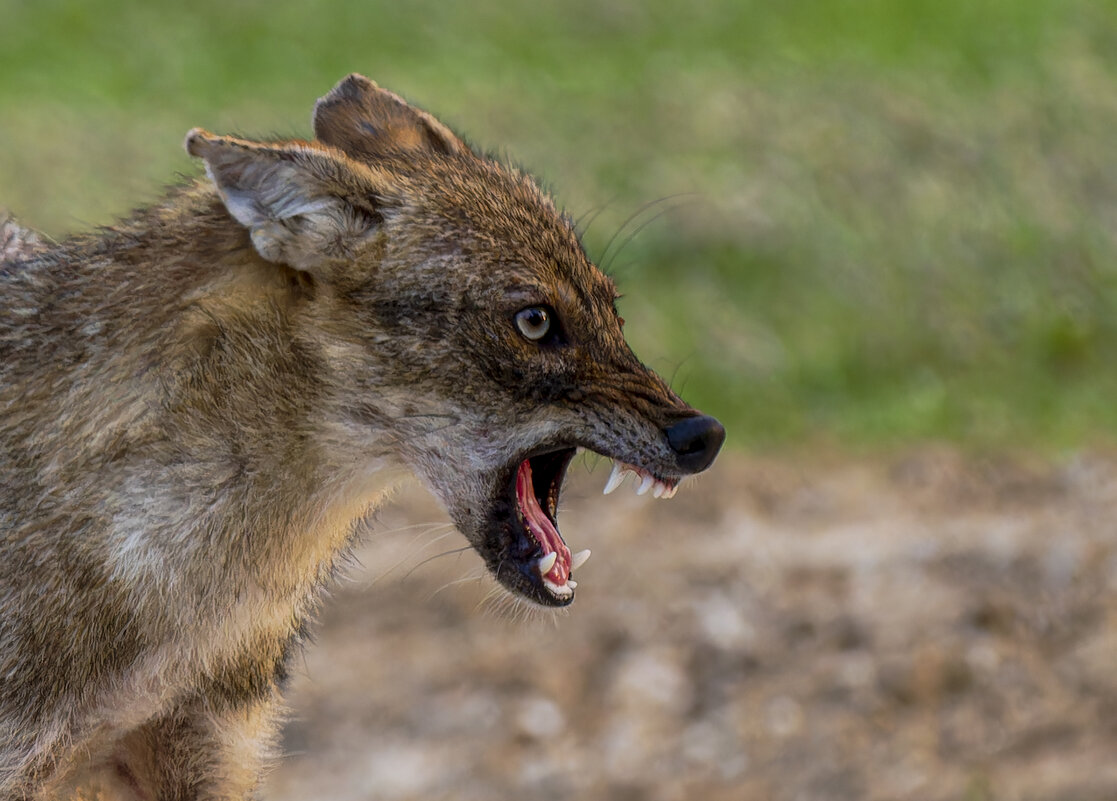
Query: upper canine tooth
x=579 y=559
x=547 y=562
x=615 y=478
x=645 y=485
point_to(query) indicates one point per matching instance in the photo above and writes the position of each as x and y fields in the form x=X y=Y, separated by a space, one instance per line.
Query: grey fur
x=197 y=404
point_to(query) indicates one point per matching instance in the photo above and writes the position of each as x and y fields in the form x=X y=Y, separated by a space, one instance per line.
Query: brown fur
x=199 y=403
x=16 y=242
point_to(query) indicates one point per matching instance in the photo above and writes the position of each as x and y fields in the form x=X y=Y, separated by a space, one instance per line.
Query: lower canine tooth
x=645 y=485
x=547 y=562
x=579 y=559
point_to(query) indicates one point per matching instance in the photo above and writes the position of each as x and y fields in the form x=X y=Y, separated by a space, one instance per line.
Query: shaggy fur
x=199 y=403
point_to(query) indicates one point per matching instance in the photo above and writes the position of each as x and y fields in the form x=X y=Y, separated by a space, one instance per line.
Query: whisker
x=628 y=239
x=430 y=524
x=475 y=575
x=675 y=373
x=505 y=605
x=494 y=597
x=502 y=603
x=593 y=213
x=650 y=204
x=447 y=529
x=410 y=548
x=461 y=550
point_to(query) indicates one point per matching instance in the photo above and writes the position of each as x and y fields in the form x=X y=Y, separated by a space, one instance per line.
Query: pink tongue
x=541 y=527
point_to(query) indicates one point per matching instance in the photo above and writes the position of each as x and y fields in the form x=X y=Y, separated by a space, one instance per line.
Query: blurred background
x=877 y=238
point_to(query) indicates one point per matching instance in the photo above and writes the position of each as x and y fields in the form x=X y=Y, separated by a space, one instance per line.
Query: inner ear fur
x=303 y=204
x=368 y=123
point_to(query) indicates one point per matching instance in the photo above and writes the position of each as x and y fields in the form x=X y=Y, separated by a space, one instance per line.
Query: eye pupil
x=534 y=323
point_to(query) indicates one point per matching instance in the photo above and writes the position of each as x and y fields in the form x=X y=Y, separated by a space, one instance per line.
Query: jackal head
x=461 y=321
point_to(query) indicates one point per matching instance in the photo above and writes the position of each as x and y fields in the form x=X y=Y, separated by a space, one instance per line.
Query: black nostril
x=696 y=441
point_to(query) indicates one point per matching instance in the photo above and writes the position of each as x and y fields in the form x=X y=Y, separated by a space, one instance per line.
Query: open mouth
x=537 y=562
x=536 y=486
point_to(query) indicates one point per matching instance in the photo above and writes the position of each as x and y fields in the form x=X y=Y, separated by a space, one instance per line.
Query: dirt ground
x=929 y=626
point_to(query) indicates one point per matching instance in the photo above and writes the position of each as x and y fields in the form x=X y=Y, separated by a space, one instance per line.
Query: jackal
x=199 y=403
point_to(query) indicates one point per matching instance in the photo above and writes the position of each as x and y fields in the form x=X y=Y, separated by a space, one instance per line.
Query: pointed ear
x=304 y=204
x=368 y=122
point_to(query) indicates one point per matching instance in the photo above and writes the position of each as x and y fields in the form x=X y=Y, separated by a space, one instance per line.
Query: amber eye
x=534 y=322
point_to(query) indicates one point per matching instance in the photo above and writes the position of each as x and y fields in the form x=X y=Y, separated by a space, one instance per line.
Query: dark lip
x=511 y=551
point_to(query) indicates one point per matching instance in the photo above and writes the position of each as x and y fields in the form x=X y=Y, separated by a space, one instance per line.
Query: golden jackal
x=198 y=404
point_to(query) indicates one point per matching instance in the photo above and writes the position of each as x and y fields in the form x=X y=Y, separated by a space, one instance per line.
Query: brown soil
x=925 y=627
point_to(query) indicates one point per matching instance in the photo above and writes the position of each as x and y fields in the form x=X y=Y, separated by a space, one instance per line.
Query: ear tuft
x=368 y=122
x=352 y=87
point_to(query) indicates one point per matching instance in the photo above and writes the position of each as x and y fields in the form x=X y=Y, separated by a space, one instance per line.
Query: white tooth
x=561 y=591
x=579 y=559
x=572 y=584
x=645 y=485
x=658 y=489
x=615 y=478
x=670 y=493
x=547 y=562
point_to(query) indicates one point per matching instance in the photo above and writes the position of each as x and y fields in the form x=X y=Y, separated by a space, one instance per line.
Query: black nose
x=696 y=441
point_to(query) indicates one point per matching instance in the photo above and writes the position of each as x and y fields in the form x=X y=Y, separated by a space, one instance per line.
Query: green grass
x=885 y=221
